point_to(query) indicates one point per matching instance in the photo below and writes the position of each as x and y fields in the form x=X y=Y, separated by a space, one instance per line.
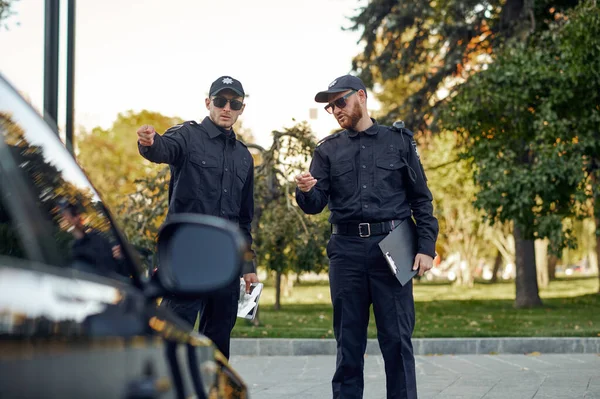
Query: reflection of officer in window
x=90 y=247
x=371 y=178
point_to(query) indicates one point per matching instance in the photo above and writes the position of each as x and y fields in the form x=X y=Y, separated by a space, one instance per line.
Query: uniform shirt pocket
x=202 y=179
x=343 y=178
x=389 y=173
x=241 y=170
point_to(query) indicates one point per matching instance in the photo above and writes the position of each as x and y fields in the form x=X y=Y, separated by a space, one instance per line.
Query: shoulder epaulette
x=174 y=128
x=398 y=126
x=242 y=143
x=327 y=138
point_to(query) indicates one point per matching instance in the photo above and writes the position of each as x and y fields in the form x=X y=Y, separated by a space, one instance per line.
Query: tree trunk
x=541 y=262
x=256 y=321
x=527 y=295
x=596 y=206
x=497 y=265
x=552 y=261
x=598 y=249
x=277 y=290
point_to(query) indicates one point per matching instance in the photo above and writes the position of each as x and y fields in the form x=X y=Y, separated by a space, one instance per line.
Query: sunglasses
x=221 y=102
x=340 y=102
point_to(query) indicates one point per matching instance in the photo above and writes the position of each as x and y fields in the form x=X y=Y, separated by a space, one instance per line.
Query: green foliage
x=414 y=48
x=111 y=158
x=528 y=160
x=461 y=227
x=572 y=112
x=286 y=239
x=134 y=188
x=144 y=211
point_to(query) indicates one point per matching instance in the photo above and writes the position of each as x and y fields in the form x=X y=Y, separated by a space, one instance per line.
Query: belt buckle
x=360 y=233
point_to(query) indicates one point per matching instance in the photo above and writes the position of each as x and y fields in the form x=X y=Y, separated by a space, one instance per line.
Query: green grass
x=571 y=308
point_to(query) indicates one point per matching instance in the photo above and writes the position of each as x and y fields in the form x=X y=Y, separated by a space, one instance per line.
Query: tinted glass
x=10 y=241
x=79 y=225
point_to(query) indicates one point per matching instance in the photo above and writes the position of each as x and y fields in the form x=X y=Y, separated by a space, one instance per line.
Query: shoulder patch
x=327 y=138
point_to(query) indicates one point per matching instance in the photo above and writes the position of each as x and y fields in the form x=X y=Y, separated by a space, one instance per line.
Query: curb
x=421 y=346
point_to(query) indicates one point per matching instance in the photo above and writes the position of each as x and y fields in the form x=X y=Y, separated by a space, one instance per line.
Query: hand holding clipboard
x=399 y=249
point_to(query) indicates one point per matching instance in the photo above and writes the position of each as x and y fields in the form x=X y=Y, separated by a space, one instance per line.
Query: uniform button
x=363 y=147
x=226 y=170
x=364 y=166
x=203 y=162
x=222 y=212
x=225 y=190
x=391 y=164
x=364 y=186
x=366 y=206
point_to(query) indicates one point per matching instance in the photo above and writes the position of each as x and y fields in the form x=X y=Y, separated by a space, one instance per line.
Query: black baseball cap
x=343 y=83
x=226 y=82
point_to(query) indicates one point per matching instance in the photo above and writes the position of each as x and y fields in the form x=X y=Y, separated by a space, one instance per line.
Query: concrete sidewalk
x=550 y=376
x=422 y=346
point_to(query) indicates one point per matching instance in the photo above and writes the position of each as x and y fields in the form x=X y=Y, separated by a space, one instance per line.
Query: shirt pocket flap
x=390 y=163
x=242 y=170
x=203 y=161
x=341 y=168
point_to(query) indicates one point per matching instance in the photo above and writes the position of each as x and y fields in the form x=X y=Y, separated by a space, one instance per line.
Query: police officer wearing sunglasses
x=371 y=178
x=212 y=173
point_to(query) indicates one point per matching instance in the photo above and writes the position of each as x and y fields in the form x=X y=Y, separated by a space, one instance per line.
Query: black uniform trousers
x=218 y=313
x=359 y=276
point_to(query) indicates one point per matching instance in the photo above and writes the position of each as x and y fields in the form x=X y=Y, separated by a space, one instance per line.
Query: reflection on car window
x=10 y=243
x=81 y=230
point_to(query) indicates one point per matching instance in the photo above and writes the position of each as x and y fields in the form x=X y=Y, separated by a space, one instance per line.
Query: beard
x=350 y=120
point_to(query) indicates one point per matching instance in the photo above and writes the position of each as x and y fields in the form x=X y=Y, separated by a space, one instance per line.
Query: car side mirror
x=198 y=254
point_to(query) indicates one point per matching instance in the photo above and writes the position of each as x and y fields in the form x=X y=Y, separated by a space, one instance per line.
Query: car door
x=73 y=319
x=75 y=316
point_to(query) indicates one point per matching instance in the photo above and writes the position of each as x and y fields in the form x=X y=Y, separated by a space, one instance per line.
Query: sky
x=162 y=56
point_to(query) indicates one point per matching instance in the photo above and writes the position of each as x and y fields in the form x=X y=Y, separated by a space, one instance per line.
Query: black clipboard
x=399 y=249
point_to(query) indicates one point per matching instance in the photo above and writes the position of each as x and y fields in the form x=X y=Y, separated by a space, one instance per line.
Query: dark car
x=78 y=317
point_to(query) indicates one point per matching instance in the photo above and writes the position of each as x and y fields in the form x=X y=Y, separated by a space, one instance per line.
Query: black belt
x=364 y=229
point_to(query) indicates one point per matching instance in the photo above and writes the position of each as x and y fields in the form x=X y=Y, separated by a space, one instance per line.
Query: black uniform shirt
x=212 y=172
x=372 y=176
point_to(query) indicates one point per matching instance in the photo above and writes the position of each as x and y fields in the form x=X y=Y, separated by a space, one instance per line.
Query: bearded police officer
x=212 y=174
x=372 y=179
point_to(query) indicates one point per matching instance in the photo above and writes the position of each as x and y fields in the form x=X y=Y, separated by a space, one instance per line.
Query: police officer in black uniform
x=212 y=173
x=371 y=178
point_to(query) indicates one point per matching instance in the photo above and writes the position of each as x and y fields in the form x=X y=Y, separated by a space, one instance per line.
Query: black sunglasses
x=220 y=102
x=340 y=102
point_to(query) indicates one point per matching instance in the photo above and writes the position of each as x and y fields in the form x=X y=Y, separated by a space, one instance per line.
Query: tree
x=527 y=174
x=110 y=157
x=421 y=51
x=286 y=238
x=572 y=111
x=462 y=229
x=5 y=10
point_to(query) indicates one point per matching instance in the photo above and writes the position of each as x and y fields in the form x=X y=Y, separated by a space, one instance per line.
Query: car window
x=78 y=224
x=10 y=240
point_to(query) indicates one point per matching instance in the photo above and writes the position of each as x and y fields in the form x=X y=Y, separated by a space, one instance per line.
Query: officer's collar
x=216 y=131
x=371 y=131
